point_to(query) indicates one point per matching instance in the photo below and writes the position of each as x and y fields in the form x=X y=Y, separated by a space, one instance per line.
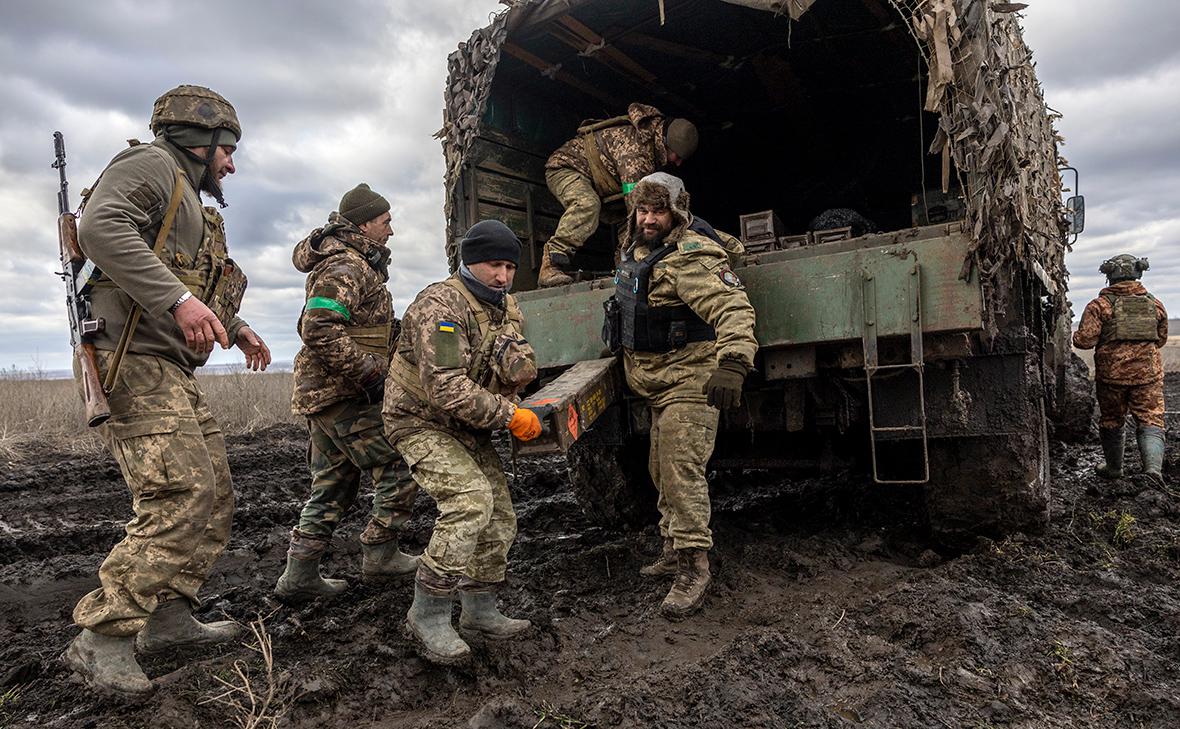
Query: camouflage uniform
x=168 y=445
x=1129 y=375
x=683 y=425
x=348 y=329
x=627 y=153
x=448 y=388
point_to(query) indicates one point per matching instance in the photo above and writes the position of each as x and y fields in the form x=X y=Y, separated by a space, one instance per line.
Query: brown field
x=37 y=413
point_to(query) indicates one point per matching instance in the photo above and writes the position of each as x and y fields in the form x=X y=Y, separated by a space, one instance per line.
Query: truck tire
x=611 y=483
x=990 y=485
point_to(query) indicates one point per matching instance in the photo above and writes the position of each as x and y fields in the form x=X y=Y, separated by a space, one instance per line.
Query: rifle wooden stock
x=67 y=236
x=97 y=407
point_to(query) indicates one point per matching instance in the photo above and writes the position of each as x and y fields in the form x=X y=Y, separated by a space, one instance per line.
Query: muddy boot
x=172 y=625
x=688 y=591
x=383 y=562
x=107 y=663
x=428 y=622
x=1112 y=448
x=550 y=273
x=1151 y=452
x=665 y=564
x=302 y=581
x=481 y=615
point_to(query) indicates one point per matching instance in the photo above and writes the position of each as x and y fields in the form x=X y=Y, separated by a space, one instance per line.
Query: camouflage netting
x=993 y=123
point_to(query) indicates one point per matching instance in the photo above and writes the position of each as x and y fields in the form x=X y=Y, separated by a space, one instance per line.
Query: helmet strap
x=208 y=183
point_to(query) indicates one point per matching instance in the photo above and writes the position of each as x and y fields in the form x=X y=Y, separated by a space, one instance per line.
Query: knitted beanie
x=489 y=240
x=360 y=204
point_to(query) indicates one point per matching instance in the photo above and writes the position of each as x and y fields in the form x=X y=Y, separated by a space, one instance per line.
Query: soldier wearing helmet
x=1126 y=326
x=168 y=292
x=603 y=163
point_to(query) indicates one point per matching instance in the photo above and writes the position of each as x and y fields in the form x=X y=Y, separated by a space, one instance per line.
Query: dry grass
x=255 y=697
x=34 y=411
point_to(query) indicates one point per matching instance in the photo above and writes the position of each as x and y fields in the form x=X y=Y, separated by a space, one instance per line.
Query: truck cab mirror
x=1076 y=213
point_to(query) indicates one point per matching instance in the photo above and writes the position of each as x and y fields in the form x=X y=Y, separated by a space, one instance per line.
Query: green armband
x=628 y=187
x=319 y=302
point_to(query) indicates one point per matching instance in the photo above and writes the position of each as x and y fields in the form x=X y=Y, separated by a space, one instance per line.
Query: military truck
x=893 y=170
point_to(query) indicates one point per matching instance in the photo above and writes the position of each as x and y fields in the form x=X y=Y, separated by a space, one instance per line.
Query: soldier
x=348 y=331
x=1126 y=327
x=169 y=292
x=460 y=363
x=605 y=161
x=687 y=332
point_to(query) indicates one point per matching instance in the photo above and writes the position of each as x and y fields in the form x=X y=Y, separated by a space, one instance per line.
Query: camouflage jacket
x=347 y=325
x=698 y=274
x=1121 y=363
x=629 y=152
x=440 y=339
x=118 y=230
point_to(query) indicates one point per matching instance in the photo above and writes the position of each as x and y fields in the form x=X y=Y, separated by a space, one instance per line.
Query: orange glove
x=524 y=424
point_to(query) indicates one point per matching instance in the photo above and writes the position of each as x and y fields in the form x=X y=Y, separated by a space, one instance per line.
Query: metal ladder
x=916 y=363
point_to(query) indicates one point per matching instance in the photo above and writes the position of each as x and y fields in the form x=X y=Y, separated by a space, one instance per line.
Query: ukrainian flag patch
x=446 y=326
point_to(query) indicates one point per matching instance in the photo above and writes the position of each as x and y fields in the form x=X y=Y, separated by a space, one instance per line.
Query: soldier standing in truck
x=460 y=364
x=605 y=161
x=687 y=332
x=348 y=330
x=1126 y=326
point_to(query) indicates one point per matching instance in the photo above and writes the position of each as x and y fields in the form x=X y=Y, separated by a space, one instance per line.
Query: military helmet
x=1123 y=267
x=194 y=106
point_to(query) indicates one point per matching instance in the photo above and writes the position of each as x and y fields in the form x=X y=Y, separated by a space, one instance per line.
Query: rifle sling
x=137 y=310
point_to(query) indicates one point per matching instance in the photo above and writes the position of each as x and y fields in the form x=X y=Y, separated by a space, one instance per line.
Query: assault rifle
x=80 y=276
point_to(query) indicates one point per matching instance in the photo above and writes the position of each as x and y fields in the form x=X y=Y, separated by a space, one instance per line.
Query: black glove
x=724 y=387
x=374 y=387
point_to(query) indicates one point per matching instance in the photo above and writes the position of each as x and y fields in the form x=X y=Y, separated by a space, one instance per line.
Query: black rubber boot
x=665 y=564
x=481 y=615
x=428 y=625
x=107 y=663
x=302 y=581
x=172 y=625
x=383 y=562
x=1151 y=452
x=1112 y=448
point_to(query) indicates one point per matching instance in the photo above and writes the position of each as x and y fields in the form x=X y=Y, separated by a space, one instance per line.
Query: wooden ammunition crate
x=573 y=402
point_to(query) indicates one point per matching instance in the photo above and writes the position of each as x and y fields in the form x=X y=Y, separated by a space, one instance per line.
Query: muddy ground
x=833 y=607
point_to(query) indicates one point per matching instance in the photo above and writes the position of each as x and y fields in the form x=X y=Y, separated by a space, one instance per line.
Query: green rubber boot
x=1112 y=448
x=172 y=625
x=1151 y=452
x=302 y=581
x=383 y=562
x=481 y=615
x=107 y=663
x=428 y=625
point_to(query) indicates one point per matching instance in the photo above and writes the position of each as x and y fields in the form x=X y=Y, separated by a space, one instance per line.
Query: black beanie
x=360 y=205
x=489 y=240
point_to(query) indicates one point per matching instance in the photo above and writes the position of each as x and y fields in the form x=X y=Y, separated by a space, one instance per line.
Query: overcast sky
x=331 y=94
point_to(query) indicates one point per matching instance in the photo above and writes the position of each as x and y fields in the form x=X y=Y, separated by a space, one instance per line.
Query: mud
x=832 y=607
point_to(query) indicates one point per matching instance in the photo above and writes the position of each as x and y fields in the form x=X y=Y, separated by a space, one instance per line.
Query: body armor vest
x=1133 y=319
x=645 y=328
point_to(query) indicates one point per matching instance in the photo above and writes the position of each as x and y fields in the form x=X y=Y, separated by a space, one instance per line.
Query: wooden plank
x=554 y=71
x=511 y=192
x=517 y=221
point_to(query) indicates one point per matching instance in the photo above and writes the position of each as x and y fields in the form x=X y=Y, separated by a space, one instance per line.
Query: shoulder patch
x=728 y=277
x=691 y=245
x=446 y=345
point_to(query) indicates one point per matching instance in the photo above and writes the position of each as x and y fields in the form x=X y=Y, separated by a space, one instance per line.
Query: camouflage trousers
x=682 y=439
x=1144 y=402
x=172 y=455
x=582 y=206
x=345 y=439
x=476 y=524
